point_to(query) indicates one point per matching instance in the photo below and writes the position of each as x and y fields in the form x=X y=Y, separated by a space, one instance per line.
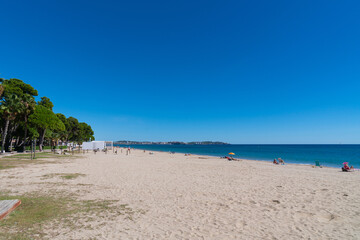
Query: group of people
x=127 y=150
x=345 y=167
x=279 y=161
x=231 y=158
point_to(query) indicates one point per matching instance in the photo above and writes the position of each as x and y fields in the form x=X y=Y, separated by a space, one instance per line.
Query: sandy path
x=190 y=198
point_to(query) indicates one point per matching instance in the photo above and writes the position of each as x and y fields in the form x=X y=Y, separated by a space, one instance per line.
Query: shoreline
x=240 y=159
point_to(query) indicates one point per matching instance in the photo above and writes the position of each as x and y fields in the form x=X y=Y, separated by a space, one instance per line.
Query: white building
x=97 y=145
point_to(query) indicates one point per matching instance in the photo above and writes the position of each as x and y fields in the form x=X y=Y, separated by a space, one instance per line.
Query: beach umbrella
x=231 y=153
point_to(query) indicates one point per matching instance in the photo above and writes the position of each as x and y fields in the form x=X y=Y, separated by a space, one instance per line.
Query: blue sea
x=328 y=155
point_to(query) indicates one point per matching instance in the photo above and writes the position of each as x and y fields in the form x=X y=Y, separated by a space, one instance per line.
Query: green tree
x=43 y=119
x=64 y=135
x=17 y=100
x=45 y=101
x=17 y=87
x=1 y=87
x=10 y=108
x=28 y=107
x=23 y=120
x=85 y=134
x=73 y=129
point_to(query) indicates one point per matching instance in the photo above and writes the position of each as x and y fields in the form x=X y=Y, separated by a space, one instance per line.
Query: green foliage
x=22 y=119
x=18 y=97
x=86 y=133
x=73 y=128
x=62 y=118
x=33 y=133
x=18 y=87
x=43 y=118
x=63 y=135
x=46 y=103
x=79 y=132
x=10 y=106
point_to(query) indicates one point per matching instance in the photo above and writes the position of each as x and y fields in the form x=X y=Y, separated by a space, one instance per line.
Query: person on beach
x=281 y=161
x=275 y=162
x=346 y=167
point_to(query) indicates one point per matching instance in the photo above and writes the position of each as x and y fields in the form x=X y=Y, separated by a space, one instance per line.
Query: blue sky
x=233 y=71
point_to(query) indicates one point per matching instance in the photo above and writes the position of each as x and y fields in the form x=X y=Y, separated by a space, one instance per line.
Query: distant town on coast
x=125 y=142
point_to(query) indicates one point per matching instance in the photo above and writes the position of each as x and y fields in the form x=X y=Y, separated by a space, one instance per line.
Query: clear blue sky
x=234 y=71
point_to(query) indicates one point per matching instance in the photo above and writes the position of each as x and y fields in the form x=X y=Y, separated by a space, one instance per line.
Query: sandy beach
x=173 y=196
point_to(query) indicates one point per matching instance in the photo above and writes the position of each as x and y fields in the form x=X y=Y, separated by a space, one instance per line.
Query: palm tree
x=10 y=107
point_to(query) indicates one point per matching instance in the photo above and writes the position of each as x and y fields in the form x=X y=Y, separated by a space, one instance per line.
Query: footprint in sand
x=326 y=217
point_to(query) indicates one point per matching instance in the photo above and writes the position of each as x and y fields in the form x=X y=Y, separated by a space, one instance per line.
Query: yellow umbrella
x=231 y=153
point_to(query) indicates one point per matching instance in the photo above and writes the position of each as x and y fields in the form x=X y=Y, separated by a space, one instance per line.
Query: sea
x=330 y=155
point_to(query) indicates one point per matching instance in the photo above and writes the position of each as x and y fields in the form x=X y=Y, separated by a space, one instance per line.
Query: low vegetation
x=67 y=176
x=18 y=160
x=36 y=212
x=54 y=212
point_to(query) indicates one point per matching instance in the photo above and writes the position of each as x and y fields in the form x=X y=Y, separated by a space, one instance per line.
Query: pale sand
x=184 y=197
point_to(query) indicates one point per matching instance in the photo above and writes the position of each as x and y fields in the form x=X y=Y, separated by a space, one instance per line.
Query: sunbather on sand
x=346 y=167
x=281 y=161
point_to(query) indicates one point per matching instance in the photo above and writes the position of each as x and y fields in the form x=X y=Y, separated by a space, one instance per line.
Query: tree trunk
x=4 y=135
x=9 y=134
x=11 y=144
x=42 y=140
x=25 y=134
x=32 y=148
x=35 y=147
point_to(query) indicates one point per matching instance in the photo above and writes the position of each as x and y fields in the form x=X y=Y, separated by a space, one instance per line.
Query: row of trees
x=23 y=119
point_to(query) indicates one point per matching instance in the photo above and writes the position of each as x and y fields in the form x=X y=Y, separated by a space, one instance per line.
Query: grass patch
x=72 y=175
x=23 y=159
x=3 y=166
x=40 y=155
x=67 y=176
x=6 y=163
x=36 y=212
x=46 y=147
